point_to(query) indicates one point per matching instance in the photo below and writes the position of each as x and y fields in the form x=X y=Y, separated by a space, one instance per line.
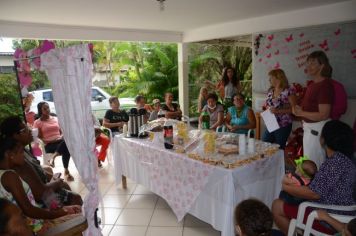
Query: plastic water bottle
x=205 y=120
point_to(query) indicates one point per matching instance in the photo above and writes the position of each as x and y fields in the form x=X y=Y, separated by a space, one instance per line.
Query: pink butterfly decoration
x=289 y=38
x=337 y=32
x=301 y=35
x=268 y=46
x=270 y=37
x=269 y=55
x=324 y=45
x=276 y=52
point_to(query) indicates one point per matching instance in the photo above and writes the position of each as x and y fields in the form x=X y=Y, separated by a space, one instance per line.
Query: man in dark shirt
x=115 y=118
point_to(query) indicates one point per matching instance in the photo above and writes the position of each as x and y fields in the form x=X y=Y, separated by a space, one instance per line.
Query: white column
x=183 y=79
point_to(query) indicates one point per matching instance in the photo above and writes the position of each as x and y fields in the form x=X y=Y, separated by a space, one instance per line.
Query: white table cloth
x=216 y=195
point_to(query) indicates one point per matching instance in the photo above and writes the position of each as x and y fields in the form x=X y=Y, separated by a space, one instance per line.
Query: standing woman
x=280 y=100
x=51 y=134
x=202 y=99
x=228 y=85
x=316 y=106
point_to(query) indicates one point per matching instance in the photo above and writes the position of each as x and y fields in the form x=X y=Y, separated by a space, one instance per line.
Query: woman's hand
x=287 y=180
x=322 y=214
x=297 y=111
x=233 y=128
x=274 y=110
x=75 y=209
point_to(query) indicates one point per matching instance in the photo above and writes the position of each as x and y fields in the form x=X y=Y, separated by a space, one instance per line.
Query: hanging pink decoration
x=25 y=65
x=91 y=49
x=24 y=91
x=35 y=61
x=18 y=52
x=46 y=46
x=25 y=78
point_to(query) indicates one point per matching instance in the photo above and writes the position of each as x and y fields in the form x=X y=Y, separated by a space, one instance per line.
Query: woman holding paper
x=280 y=100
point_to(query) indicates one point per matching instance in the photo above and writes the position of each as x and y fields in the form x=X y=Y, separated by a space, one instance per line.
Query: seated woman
x=12 y=221
x=333 y=183
x=14 y=189
x=240 y=118
x=156 y=108
x=171 y=109
x=142 y=107
x=215 y=111
x=51 y=134
x=115 y=118
x=31 y=171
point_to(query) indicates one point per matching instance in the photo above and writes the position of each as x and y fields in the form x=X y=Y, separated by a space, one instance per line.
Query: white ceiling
x=178 y=16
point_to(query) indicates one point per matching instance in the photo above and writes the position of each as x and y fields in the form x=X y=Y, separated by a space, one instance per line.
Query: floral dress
x=281 y=102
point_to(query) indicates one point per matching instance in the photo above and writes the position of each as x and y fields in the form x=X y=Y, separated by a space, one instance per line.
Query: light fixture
x=161 y=4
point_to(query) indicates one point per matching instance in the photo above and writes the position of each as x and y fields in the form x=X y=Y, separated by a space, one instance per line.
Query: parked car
x=99 y=101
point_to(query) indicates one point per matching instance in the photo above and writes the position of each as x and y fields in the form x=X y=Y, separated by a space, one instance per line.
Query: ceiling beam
x=62 y=32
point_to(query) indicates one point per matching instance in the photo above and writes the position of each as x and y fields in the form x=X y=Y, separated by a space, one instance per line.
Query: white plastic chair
x=308 y=230
x=47 y=157
x=186 y=119
x=223 y=130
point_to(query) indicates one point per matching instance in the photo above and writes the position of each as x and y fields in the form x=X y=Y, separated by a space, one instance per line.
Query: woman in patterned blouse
x=280 y=100
x=333 y=184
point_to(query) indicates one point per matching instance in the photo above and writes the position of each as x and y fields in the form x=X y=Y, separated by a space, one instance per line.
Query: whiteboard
x=288 y=50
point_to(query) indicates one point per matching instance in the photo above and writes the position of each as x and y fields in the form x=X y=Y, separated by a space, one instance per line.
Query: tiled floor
x=136 y=211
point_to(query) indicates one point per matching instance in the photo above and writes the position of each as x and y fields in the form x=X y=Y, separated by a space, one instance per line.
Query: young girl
x=14 y=189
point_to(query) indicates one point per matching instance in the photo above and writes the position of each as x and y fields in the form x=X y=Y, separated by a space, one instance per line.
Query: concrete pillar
x=183 y=79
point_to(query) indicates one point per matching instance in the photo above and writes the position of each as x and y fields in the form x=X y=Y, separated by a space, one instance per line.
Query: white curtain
x=70 y=72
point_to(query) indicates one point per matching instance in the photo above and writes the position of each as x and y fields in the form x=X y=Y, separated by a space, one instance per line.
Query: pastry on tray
x=227 y=149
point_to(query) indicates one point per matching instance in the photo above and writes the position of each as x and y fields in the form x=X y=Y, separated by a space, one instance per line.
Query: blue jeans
x=278 y=136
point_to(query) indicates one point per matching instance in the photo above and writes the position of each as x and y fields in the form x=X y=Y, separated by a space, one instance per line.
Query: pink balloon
x=18 y=52
x=46 y=46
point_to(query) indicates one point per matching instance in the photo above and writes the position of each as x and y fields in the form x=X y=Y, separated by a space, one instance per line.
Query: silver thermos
x=133 y=123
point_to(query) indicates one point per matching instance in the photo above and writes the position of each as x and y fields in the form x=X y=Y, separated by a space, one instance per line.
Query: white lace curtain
x=70 y=72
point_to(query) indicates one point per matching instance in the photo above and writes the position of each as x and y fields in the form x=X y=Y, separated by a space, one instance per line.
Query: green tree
x=206 y=62
x=154 y=70
x=10 y=103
